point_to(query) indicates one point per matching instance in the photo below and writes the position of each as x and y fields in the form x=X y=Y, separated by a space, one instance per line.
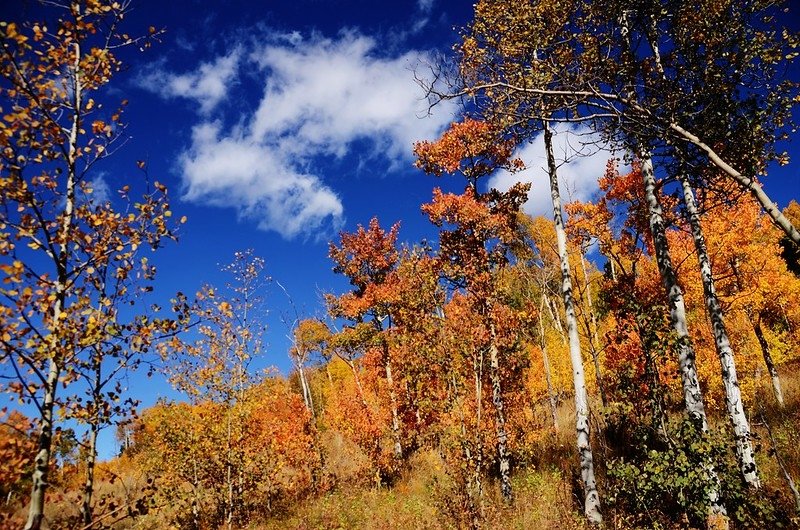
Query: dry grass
x=543 y=499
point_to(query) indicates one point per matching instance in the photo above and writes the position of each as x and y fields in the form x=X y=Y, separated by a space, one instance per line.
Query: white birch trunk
x=94 y=428
x=42 y=462
x=500 y=418
x=733 y=395
x=396 y=436
x=592 y=497
x=692 y=394
x=304 y=386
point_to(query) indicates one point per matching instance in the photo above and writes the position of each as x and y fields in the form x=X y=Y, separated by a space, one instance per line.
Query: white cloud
x=319 y=97
x=101 y=193
x=236 y=171
x=425 y=5
x=323 y=94
x=208 y=85
x=98 y=191
x=581 y=159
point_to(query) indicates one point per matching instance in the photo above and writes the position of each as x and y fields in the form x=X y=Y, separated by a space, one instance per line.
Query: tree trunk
x=359 y=388
x=42 y=462
x=547 y=375
x=593 y=336
x=475 y=462
x=553 y=310
x=692 y=394
x=306 y=390
x=755 y=321
x=653 y=380
x=88 y=487
x=733 y=396
x=781 y=464
x=592 y=497
x=773 y=372
x=229 y=468
x=500 y=418
x=396 y=436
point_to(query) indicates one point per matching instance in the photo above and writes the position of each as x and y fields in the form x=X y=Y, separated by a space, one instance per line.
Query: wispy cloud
x=235 y=170
x=95 y=192
x=321 y=95
x=208 y=84
x=581 y=158
x=425 y=5
x=319 y=98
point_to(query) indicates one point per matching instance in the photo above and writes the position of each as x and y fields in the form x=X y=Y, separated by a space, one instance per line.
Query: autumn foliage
x=441 y=381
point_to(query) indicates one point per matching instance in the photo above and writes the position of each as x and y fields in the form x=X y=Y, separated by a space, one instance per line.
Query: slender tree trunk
x=229 y=468
x=42 y=462
x=553 y=310
x=547 y=374
x=593 y=337
x=357 y=380
x=88 y=487
x=654 y=382
x=692 y=394
x=195 y=483
x=755 y=321
x=592 y=497
x=476 y=461
x=781 y=464
x=396 y=435
x=94 y=427
x=306 y=390
x=500 y=417
x=733 y=396
x=773 y=371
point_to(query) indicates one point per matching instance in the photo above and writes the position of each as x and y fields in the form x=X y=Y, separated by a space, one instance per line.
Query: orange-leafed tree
x=367 y=257
x=478 y=232
x=310 y=335
x=757 y=291
x=69 y=256
x=216 y=366
x=416 y=296
x=17 y=452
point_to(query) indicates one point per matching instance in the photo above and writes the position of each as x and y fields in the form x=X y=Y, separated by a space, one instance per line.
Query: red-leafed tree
x=477 y=234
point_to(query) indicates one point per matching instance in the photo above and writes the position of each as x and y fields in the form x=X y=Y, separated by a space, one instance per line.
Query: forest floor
x=545 y=495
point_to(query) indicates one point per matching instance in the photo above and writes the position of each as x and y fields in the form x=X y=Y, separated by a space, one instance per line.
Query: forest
x=630 y=361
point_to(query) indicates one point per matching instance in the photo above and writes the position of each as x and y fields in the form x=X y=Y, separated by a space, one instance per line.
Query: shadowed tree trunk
x=396 y=435
x=755 y=321
x=593 y=333
x=773 y=372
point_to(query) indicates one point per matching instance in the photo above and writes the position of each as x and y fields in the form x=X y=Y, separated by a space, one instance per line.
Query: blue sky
x=277 y=124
